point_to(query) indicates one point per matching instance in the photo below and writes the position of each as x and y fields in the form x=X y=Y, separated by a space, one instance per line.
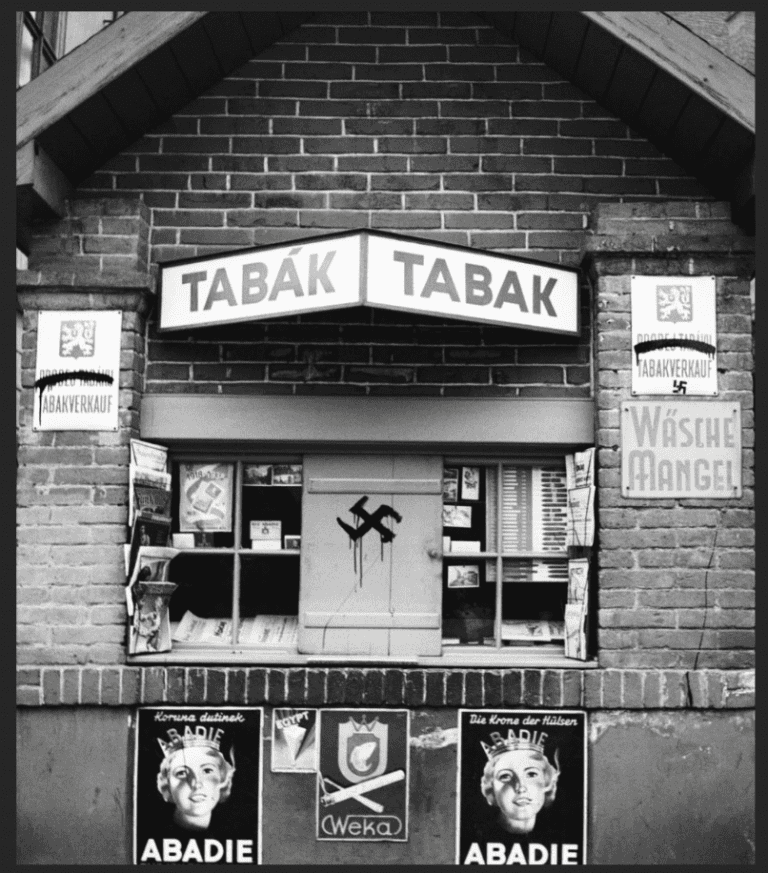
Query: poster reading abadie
x=521 y=794
x=197 y=785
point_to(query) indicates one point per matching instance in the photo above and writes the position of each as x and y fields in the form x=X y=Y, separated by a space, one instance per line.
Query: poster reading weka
x=522 y=784
x=362 y=781
x=197 y=785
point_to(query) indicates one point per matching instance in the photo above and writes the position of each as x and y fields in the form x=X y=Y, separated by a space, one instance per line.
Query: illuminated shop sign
x=370 y=269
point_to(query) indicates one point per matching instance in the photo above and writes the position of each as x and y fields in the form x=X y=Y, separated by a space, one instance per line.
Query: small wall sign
x=77 y=372
x=674 y=335
x=681 y=448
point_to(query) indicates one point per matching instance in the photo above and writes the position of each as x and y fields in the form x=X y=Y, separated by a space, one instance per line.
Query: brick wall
x=297 y=686
x=432 y=124
x=71 y=487
x=676 y=577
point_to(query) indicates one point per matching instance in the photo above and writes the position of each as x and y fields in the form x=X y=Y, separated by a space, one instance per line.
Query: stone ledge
x=101 y=280
x=300 y=686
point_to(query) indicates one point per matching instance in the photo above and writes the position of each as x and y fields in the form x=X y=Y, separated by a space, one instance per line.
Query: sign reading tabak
x=370 y=269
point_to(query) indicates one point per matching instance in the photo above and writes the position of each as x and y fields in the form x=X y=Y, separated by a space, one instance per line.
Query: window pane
x=465 y=516
x=25 y=56
x=269 y=600
x=205 y=592
x=468 y=604
x=50 y=22
x=532 y=613
x=83 y=25
x=271 y=505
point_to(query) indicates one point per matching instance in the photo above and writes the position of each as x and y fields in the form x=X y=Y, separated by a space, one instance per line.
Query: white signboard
x=462 y=283
x=681 y=448
x=371 y=269
x=77 y=373
x=674 y=339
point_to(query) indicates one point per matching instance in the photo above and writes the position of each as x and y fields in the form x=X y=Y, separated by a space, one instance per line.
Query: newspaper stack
x=576 y=609
x=580 y=477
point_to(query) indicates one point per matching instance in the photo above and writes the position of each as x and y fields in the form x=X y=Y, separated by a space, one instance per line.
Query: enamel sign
x=362 y=780
x=77 y=372
x=681 y=448
x=674 y=339
x=368 y=268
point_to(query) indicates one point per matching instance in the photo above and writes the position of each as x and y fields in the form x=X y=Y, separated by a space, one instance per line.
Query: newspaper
x=149 y=482
x=262 y=631
x=535 y=630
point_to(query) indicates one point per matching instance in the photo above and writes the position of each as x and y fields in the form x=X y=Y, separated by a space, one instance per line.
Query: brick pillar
x=676 y=576
x=72 y=492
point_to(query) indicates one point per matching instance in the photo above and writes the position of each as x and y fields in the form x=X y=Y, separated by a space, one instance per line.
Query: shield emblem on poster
x=362 y=749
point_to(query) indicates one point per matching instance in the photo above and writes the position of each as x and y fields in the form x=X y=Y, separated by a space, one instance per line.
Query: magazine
x=148 y=530
x=149 y=456
x=580 y=469
x=205 y=498
x=152 y=564
x=150 y=629
x=578 y=576
x=581 y=517
x=575 y=631
x=149 y=491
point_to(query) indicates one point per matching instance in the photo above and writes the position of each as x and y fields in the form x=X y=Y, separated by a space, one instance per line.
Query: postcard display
x=147 y=555
x=544 y=509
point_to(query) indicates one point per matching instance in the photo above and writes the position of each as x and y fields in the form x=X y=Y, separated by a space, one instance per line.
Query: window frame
x=498 y=655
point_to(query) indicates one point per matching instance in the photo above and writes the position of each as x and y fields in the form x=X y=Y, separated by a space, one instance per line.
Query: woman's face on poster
x=195 y=782
x=519 y=788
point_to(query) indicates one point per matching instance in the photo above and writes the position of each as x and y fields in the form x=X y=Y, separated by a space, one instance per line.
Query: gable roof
x=670 y=85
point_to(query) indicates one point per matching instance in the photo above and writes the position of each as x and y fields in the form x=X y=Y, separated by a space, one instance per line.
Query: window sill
x=529 y=657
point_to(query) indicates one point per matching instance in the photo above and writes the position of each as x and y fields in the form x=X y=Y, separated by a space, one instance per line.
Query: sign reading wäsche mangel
x=370 y=269
x=680 y=448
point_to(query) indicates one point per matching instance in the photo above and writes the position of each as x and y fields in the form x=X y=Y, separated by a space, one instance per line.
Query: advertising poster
x=77 y=371
x=362 y=780
x=205 y=497
x=674 y=338
x=522 y=785
x=197 y=785
x=294 y=747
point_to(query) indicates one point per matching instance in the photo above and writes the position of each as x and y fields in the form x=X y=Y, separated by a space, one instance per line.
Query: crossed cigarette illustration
x=357 y=792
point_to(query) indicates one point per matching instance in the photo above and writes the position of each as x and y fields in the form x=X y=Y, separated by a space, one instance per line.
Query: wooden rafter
x=93 y=65
x=692 y=61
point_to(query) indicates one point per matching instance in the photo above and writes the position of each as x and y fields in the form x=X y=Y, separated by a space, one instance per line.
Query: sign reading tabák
x=362 y=780
x=674 y=341
x=368 y=268
x=77 y=372
x=681 y=448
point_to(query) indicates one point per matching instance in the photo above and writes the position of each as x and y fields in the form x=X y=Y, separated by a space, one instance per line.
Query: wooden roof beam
x=38 y=175
x=93 y=65
x=692 y=61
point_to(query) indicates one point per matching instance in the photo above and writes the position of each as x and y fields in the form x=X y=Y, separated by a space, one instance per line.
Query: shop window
x=427 y=557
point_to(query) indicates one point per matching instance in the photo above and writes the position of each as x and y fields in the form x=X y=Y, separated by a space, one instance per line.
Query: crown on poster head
x=199 y=738
x=521 y=740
